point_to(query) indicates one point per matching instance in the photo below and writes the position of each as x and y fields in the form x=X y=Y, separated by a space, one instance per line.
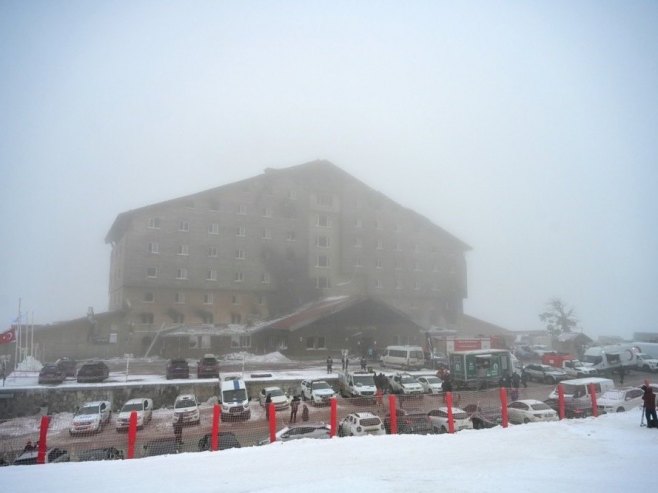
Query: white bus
x=405 y=357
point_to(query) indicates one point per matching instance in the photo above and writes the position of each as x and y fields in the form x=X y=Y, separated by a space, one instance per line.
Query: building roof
x=474 y=326
x=572 y=336
x=123 y=220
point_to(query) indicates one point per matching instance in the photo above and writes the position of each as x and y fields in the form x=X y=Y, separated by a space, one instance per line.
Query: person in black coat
x=330 y=363
x=294 y=405
x=649 y=399
x=178 y=430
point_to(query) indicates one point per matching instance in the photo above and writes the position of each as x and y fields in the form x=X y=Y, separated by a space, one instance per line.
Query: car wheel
x=620 y=409
x=442 y=430
x=526 y=420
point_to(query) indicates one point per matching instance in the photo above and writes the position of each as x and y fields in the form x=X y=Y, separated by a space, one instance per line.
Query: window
x=310 y=343
x=240 y=231
x=378 y=263
x=358 y=223
x=261 y=299
x=149 y=297
x=322 y=261
x=415 y=247
x=378 y=284
x=240 y=254
x=398 y=246
x=151 y=272
x=398 y=265
x=206 y=318
x=238 y=276
x=235 y=299
x=416 y=265
x=322 y=221
x=267 y=211
x=321 y=342
x=322 y=241
x=153 y=223
x=417 y=285
x=212 y=251
x=213 y=205
x=267 y=234
x=358 y=262
x=265 y=278
x=213 y=229
x=379 y=224
x=208 y=299
x=292 y=194
x=211 y=275
x=358 y=242
x=146 y=318
x=181 y=273
x=179 y=297
x=290 y=236
x=236 y=318
x=325 y=199
x=240 y=341
x=242 y=209
x=183 y=226
x=183 y=250
x=398 y=284
x=322 y=282
x=380 y=244
x=154 y=247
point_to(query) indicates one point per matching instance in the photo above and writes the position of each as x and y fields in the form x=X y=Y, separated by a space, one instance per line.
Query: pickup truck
x=357 y=384
x=569 y=364
x=143 y=408
x=317 y=391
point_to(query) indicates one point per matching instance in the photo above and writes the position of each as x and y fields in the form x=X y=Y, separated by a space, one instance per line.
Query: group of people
x=345 y=363
x=294 y=406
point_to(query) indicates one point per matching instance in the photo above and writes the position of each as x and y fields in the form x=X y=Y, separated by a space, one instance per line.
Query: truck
x=568 y=362
x=607 y=359
x=480 y=368
x=357 y=384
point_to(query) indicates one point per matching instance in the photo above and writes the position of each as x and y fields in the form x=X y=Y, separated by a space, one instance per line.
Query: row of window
x=321 y=221
x=182 y=274
x=208 y=298
x=179 y=318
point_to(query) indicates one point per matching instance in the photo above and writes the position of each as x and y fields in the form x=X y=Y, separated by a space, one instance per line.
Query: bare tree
x=558 y=317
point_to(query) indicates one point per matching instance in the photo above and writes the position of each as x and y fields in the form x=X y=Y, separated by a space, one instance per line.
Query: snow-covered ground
x=611 y=453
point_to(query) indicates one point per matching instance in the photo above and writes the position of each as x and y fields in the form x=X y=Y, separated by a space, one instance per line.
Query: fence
x=157 y=434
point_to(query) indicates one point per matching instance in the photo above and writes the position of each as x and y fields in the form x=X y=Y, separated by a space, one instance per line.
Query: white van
x=579 y=387
x=234 y=399
x=405 y=357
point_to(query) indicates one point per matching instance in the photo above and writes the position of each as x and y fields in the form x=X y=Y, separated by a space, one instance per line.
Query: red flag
x=8 y=337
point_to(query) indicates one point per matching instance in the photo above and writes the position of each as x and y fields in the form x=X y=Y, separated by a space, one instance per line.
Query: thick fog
x=528 y=130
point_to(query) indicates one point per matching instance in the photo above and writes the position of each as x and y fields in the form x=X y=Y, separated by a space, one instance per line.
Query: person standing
x=305 y=413
x=178 y=431
x=330 y=363
x=294 y=405
x=622 y=372
x=363 y=362
x=649 y=399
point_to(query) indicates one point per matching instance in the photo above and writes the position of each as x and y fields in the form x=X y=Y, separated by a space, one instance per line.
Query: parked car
x=647 y=363
x=227 y=440
x=409 y=422
x=144 y=409
x=51 y=373
x=616 y=401
x=95 y=371
x=403 y=383
x=295 y=432
x=161 y=446
x=91 y=417
x=359 y=424
x=177 y=368
x=278 y=397
x=207 y=367
x=580 y=407
x=437 y=360
x=431 y=384
x=544 y=373
x=439 y=420
x=187 y=406
x=483 y=417
x=67 y=365
x=106 y=453
x=317 y=391
x=53 y=455
x=529 y=410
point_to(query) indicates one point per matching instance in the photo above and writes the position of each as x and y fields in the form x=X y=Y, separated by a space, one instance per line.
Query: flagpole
x=32 y=335
x=18 y=335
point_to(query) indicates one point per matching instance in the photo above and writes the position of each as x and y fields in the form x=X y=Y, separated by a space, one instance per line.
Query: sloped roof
x=572 y=336
x=474 y=326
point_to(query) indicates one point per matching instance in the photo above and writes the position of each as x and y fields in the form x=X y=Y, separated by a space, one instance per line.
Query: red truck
x=569 y=363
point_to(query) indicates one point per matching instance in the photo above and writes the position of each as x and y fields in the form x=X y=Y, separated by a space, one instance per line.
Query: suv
x=51 y=373
x=96 y=371
x=187 y=406
x=317 y=391
x=646 y=362
x=143 y=408
x=358 y=424
x=207 y=367
x=178 y=368
x=67 y=365
x=91 y=417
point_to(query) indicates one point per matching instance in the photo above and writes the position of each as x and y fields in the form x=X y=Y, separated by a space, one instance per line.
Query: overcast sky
x=528 y=130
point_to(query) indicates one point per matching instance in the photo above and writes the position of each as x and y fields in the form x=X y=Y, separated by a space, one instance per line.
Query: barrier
x=333 y=419
x=592 y=392
x=214 y=434
x=392 y=412
x=560 y=399
x=272 y=421
x=132 y=434
x=503 y=406
x=43 y=439
x=451 y=418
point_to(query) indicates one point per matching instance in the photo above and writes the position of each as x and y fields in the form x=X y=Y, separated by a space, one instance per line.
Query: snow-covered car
x=359 y=424
x=106 y=453
x=207 y=367
x=439 y=420
x=544 y=373
x=317 y=391
x=94 y=371
x=53 y=455
x=577 y=369
x=144 y=409
x=483 y=416
x=51 y=373
x=403 y=383
x=187 y=406
x=431 y=384
x=177 y=368
x=277 y=396
x=616 y=401
x=646 y=362
x=225 y=440
x=296 y=432
x=91 y=417
x=161 y=446
x=410 y=422
x=529 y=410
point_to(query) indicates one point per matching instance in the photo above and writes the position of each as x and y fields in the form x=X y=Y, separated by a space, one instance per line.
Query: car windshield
x=138 y=406
x=364 y=380
x=613 y=395
x=209 y=362
x=181 y=403
x=432 y=380
x=89 y=410
x=161 y=447
x=540 y=406
x=407 y=379
x=275 y=392
x=320 y=385
x=235 y=395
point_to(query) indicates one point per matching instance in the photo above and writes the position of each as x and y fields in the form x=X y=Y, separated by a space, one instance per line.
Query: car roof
x=273 y=387
x=94 y=403
x=529 y=401
x=365 y=414
x=185 y=397
x=137 y=400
